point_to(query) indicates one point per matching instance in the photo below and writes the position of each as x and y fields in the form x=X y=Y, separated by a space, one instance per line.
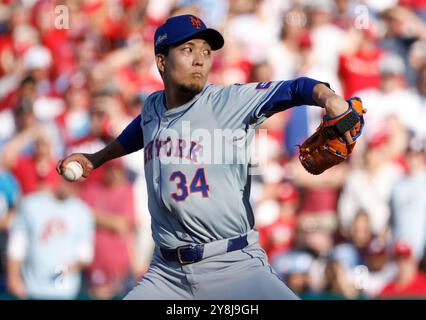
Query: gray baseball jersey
x=196 y=157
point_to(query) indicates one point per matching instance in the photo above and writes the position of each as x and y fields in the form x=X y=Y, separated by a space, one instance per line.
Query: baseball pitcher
x=202 y=222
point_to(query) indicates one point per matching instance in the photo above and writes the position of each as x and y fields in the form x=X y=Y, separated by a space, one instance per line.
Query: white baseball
x=73 y=171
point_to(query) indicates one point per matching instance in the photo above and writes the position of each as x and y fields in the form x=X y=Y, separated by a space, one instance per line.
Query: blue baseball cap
x=179 y=29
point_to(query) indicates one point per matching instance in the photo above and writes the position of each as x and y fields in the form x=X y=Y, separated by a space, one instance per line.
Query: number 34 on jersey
x=198 y=185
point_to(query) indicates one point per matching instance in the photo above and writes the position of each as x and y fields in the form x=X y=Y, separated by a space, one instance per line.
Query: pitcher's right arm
x=129 y=141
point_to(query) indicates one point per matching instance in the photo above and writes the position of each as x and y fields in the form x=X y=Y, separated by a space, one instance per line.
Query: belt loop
x=238 y=243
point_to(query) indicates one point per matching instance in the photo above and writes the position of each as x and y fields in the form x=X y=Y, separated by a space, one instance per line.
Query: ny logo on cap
x=195 y=22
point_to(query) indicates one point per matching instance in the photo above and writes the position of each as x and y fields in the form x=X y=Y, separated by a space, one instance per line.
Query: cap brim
x=212 y=36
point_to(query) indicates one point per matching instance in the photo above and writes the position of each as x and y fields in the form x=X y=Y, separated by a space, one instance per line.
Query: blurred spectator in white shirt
x=327 y=41
x=254 y=31
x=369 y=188
x=408 y=202
x=50 y=243
x=285 y=54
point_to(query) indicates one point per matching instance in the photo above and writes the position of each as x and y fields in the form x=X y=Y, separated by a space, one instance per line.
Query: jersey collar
x=183 y=107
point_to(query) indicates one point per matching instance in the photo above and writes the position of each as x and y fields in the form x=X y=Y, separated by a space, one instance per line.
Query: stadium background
x=74 y=73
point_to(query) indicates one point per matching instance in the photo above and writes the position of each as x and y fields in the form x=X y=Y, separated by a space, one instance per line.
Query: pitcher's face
x=187 y=65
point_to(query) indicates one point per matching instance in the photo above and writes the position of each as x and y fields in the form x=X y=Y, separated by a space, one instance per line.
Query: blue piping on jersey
x=253 y=257
x=274 y=273
x=155 y=137
x=246 y=198
x=294 y=93
x=266 y=99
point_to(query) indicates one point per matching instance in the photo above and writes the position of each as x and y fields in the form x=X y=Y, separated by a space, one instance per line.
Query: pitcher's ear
x=160 y=60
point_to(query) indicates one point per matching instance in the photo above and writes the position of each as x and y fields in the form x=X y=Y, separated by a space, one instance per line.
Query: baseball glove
x=327 y=147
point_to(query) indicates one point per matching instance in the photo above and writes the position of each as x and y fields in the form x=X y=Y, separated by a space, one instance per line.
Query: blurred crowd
x=74 y=73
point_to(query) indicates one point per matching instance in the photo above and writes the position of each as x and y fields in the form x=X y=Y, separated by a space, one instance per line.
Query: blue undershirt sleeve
x=131 y=138
x=290 y=93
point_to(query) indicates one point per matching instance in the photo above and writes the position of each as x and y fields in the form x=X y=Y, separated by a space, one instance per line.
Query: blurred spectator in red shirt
x=386 y=101
x=30 y=156
x=318 y=198
x=112 y=202
x=277 y=238
x=418 y=5
x=409 y=281
x=359 y=63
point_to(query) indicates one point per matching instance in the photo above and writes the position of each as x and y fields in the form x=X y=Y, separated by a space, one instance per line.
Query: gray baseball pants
x=237 y=275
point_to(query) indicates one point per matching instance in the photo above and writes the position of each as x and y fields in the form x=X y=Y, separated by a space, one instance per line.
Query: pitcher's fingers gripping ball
x=73 y=171
x=77 y=164
x=328 y=147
